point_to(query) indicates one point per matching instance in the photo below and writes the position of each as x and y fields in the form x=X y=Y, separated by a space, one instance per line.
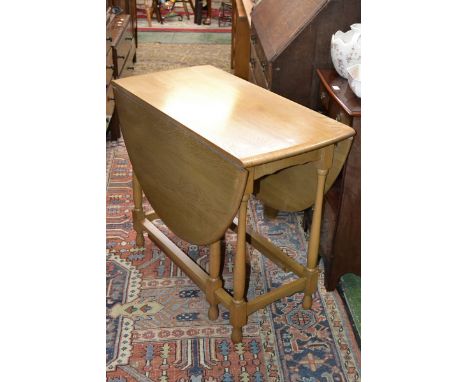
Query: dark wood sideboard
x=340 y=237
x=290 y=40
x=120 y=60
x=128 y=7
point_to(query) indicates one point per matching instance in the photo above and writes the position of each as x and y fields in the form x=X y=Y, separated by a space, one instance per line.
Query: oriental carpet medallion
x=157 y=322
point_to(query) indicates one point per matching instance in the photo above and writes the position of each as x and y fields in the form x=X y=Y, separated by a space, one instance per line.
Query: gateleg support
x=239 y=306
x=238 y=318
x=322 y=167
x=138 y=214
x=310 y=287
x=214 y=281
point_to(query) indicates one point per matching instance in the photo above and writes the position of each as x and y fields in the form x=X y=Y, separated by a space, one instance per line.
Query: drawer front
x=120 y=55
x=324 y=97
x=265 y=66
x=256 y=44
x=338 y=113
x=129 y=66
x=110 y=103
x=109 y=76
x=108 y=39
x=258 y=68
x=252 y=76
x=123 y=48
x=109 y=68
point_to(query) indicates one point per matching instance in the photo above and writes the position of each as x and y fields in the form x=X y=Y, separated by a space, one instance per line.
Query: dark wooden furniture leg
x=114 y=126
x=207 y=21
x=340 y=243
x=198 y=11
x=157 y=10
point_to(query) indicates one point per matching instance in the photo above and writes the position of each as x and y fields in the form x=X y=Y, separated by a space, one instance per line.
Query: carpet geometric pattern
x=157 y=57
x=157 y=323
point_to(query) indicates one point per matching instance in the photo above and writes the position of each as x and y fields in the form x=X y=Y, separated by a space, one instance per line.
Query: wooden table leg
x=312 y=250
x=233 y=32
x=157 y=10
x=138 y=213
x=184 y=3
x=207 y=21
x=239 y=307
x=198 y=12
x=214 y=282
x=149 y=15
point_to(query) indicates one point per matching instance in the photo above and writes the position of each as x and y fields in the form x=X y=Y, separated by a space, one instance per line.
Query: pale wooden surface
x=214 y=282
x=245 y=9
x=193 y=189
x=294 y=188
x=240 y=41
x=197 y=172
x=249 y=124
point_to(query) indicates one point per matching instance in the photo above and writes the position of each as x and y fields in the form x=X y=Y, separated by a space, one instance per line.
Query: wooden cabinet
x=340 y=238
x=240 y=44
x=128 y=7
x=120 y=58
x=290 y=40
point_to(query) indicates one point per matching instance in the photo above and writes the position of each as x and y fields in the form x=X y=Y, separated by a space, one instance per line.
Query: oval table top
x=249 y=124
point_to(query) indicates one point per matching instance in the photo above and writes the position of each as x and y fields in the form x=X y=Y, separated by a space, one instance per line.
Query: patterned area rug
x=157 y=324
x=153 y=57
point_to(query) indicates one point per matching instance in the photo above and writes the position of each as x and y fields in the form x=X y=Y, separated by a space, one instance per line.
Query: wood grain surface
x=249 y=124
x=198 y=170
x=194 y=190
x=294 y=188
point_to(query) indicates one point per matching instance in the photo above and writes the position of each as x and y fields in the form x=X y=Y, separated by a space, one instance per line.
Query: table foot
x=236 y=335
x=212 y=286
x=213 y=312
x=238 y=318
x=307 y=302
x=310 y=287
x=140 y=239
x=214 y=282
x=207 y=21
x=149 y=15
x=138 y=213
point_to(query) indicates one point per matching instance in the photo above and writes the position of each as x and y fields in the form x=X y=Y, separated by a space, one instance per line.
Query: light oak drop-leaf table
x=198 y=169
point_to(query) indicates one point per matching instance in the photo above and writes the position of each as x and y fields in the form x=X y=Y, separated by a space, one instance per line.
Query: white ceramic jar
x=346 y=49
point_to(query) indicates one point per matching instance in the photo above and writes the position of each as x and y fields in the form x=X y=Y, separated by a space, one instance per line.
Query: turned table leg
x=208 y=14
x=312 y=250
x=184 y=3
x=138 y=213
x=149 y=15
x=214 y=282
x=157 y=10
x=239 y=308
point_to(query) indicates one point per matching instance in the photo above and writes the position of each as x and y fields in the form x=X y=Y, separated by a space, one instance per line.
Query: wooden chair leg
x=312 y=250
x=207 y=21
x=239 y=308
x=157 y=10
x=184 y=2
x=214 y=280
x=149 y=15
x=192 y=6
x=138 y=213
